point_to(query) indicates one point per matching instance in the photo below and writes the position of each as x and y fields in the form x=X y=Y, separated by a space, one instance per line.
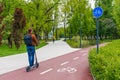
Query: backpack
x=28 y=40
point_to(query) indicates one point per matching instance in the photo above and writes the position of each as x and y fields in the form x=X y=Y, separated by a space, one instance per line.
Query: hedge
x=106 y=64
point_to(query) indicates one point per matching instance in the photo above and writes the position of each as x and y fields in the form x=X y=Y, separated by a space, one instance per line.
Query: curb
x=92 y=73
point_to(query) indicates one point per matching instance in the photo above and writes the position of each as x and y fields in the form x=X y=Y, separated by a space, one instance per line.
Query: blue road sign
x=97 y=12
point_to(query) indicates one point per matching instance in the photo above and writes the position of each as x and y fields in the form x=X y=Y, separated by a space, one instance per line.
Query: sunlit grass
x=5 y=50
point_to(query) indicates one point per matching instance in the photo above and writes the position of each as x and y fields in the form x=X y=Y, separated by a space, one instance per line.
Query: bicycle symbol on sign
x=68 y=69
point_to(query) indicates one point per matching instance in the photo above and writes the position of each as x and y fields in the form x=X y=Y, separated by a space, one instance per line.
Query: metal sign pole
x=97 y=12
x=97 y=34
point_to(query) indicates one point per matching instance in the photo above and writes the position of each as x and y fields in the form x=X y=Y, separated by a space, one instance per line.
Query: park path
x=71 y=66
x=14 y=62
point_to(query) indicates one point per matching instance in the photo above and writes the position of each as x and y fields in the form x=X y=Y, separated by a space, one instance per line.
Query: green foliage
x=8 y=22
x=61 y=32
x=75 y=42
x=80 y=18
x=76 y=15
x=8 y=19
x=116 y=14
x=107 y=22
x=106 y=64
x=38 y=13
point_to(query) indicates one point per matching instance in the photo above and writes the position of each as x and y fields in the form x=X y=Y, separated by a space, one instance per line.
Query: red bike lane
x=72 y=66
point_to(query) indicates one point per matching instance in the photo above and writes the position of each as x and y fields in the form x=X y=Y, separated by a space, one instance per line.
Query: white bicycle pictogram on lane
x=68 y=69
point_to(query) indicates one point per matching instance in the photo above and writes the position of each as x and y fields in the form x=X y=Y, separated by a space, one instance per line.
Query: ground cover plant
x=106 y=64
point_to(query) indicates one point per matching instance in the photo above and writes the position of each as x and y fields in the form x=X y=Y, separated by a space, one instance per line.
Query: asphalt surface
x=72 y=66
x=14 y=62
x=58 y=61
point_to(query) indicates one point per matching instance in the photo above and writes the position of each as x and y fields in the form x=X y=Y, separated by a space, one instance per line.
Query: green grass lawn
x=6 y=51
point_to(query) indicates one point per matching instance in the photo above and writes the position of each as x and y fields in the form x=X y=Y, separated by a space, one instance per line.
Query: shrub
x=106 y=64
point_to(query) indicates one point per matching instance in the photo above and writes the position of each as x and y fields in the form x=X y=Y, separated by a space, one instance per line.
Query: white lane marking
x=75 y=58
x=61 y=70
x=83 y=51
x=46 y=71
x=67 y=69
x=64 y=63
x=84 y=54
x=71 y=70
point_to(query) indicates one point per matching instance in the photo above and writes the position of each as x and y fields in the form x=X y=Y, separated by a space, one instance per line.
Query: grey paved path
x=14 y=62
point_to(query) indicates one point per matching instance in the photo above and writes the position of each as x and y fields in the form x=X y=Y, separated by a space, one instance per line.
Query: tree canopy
x=44 y=16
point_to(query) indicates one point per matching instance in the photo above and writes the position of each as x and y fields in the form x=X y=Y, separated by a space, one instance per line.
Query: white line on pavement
x=46 y=71
x=75 y=58
x=64 y=63
x=83 y=51
x=84 y=54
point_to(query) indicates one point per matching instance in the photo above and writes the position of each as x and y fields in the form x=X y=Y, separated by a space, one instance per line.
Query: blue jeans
x=31 y=52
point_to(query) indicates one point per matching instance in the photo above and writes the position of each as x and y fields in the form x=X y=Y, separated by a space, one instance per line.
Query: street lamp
x=81 y=30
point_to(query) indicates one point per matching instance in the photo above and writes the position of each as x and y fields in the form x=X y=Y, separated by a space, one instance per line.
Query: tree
x=39 y=15
x=116 y=14
x=18 y=26
x=106 y=19
x=80 y=18
x=2 y=26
